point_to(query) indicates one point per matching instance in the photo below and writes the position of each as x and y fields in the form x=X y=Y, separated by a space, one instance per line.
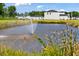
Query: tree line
x=73 y=14
x=7 y=12
x=11 y=12
x=33 y=13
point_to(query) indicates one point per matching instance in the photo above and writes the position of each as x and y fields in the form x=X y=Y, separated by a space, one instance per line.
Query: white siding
x=54 y=15
x=51 y=15
x=64 y=17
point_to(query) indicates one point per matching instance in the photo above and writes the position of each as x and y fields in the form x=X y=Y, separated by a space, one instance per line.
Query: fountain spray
x=32 y=26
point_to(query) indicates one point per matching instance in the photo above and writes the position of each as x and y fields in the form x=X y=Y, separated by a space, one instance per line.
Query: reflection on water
x=21 y=38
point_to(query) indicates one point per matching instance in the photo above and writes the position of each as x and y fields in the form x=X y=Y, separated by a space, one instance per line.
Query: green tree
x=1 y=9
x=20 y=14
x=69 y=14
x=26 y=14
x=5 y=10
x=36 y=13
x=12 y=11
x=75 y=14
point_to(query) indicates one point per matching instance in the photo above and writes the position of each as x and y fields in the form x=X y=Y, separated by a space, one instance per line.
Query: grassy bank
x=8 y=18
x=74 y=23
x=6 y=23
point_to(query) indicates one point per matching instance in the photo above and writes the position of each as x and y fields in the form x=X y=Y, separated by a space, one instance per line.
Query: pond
x=21 y=38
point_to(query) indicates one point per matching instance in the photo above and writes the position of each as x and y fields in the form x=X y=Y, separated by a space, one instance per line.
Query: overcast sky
x=24 y=7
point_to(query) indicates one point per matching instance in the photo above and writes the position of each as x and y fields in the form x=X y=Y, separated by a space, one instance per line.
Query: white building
x=52 y=14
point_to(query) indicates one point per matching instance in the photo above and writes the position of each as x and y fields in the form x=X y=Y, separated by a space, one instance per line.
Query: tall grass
x=7 y=51
x=67 y=46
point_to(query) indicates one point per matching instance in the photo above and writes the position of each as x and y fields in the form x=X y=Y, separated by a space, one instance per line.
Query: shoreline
x=74 y=23
x=14 y=23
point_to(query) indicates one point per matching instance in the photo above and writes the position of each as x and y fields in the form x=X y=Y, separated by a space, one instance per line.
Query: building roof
x=61 y=11
x=51 y=11
x=55 y=11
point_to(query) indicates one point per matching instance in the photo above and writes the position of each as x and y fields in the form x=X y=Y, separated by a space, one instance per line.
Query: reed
x=7 y=51
x=64 y=48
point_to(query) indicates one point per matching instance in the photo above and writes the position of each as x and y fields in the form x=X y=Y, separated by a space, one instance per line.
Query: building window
x=50 y=13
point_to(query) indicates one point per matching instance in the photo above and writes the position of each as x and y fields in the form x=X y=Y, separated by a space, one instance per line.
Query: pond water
x=21 y=38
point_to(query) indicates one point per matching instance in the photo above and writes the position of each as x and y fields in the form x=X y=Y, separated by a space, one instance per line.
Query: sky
x=28 y=7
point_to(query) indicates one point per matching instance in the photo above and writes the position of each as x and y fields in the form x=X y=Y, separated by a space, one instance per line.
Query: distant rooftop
x=51 y=11
x=54 y=11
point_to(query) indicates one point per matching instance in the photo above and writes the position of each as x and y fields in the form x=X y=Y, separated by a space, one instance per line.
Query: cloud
x=48 y=9
x=18 y=4
x=62 y=10
x=39 y=6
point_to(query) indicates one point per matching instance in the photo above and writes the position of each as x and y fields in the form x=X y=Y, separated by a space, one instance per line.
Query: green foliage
x=6 y=12
x=6 y=51
x=73 y=14
x=36 y=13
x=51 y=51
x=64 y=48
x=1 y=9
x=42 y=42
x=12 y=11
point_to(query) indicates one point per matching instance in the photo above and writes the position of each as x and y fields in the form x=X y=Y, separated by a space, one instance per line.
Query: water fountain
x=32 y=26
x=3 y=36
x=32 y=31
